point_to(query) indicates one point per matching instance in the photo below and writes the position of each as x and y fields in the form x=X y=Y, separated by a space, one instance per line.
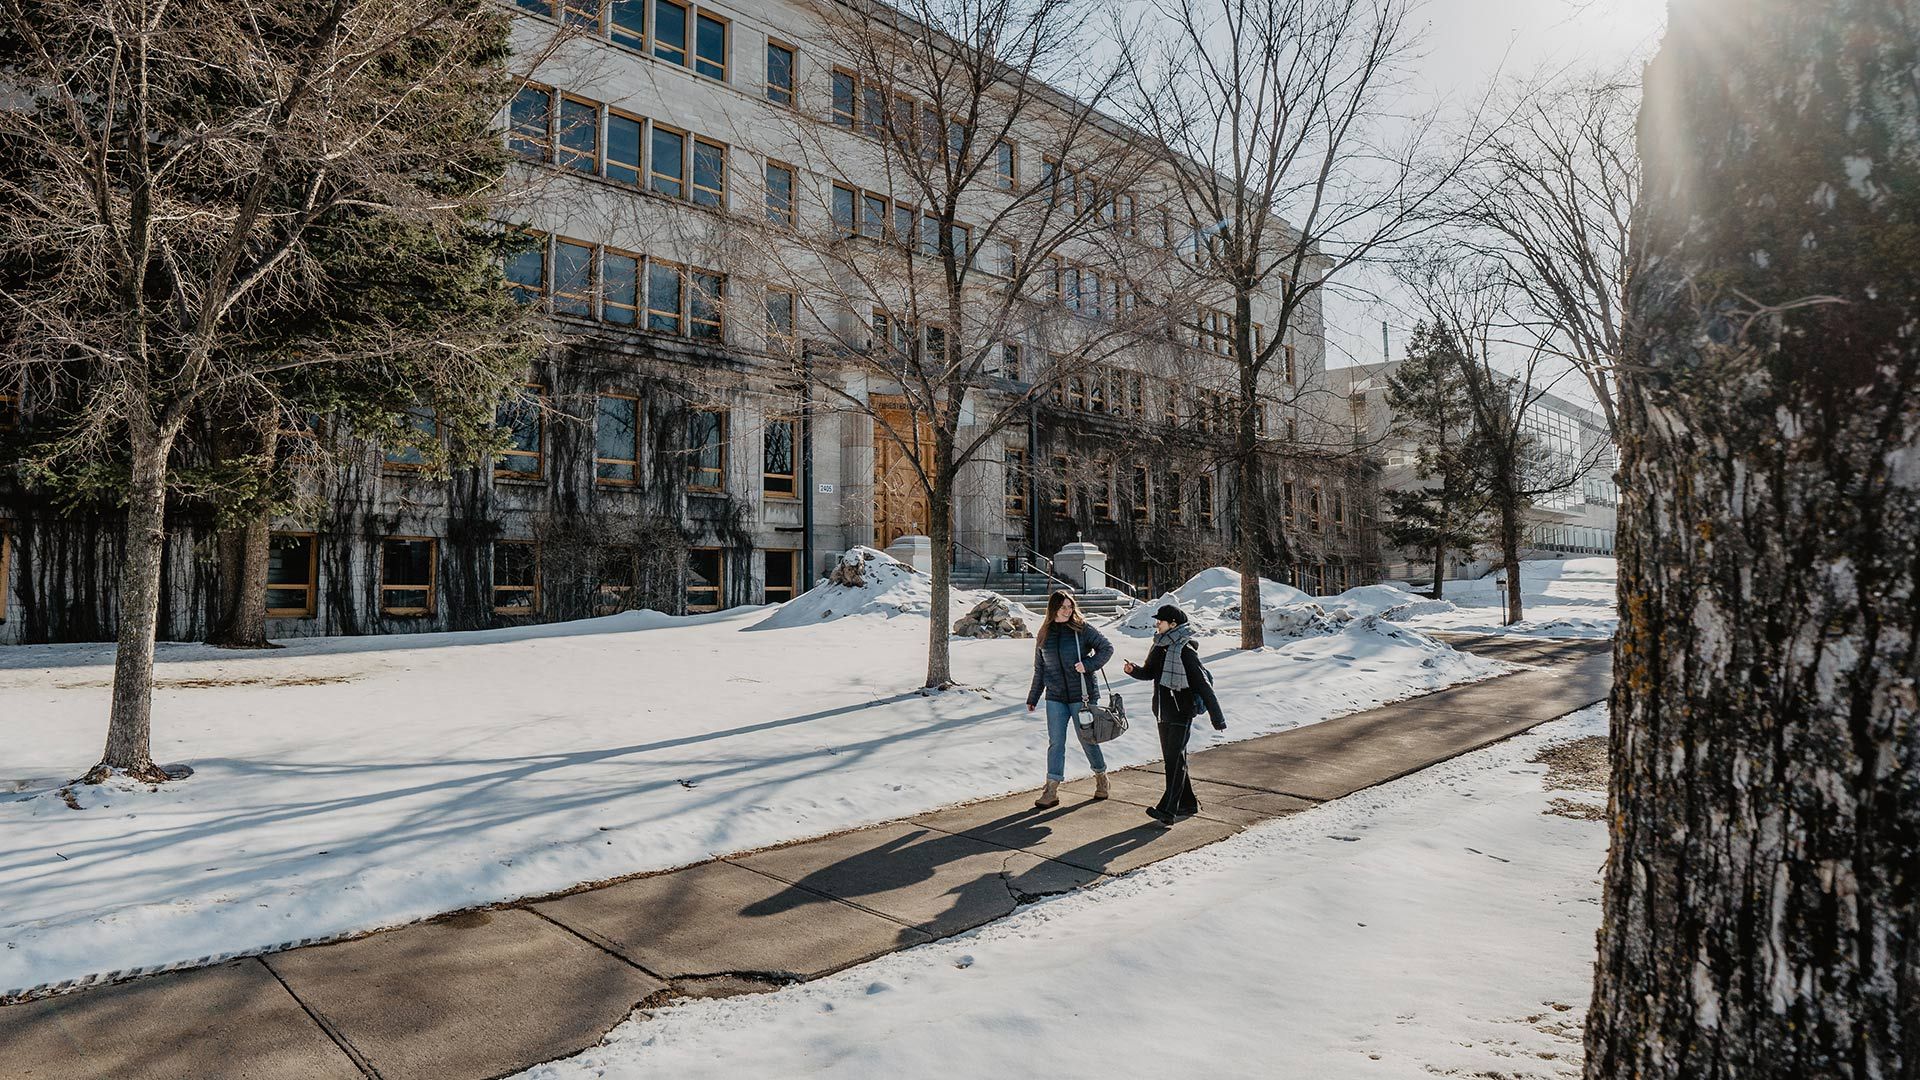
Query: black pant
x=1173 y=747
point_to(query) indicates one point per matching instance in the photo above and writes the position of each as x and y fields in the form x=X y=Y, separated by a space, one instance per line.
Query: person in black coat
x=1181 y=688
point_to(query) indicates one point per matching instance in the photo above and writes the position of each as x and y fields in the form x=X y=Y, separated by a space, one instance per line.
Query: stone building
x=673 y=461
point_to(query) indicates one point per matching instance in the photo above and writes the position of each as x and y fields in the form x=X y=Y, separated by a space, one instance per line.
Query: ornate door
x=899 y=499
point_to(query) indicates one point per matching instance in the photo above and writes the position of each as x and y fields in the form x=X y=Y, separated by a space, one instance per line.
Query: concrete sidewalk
x=489 y=993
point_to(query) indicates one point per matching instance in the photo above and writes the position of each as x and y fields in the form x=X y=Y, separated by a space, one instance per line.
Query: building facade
x=664 y=454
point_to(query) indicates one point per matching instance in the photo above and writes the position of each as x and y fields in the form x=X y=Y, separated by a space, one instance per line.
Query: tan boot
x=1049 y=796
x=1100 y=785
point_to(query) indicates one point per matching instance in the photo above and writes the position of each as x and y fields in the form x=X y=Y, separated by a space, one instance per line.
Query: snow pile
x=870 y=582
x=1559 y=598
x=1389 y=600
x=1211 y=599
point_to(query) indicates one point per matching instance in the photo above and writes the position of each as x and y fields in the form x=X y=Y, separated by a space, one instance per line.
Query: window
x=873 y=215
x=843 y=201
x=780 y=336
x=292 y=565
x=520 y=417
x=706 y=306
x=620 y=288
x=1010 y=360
x=1016 y=481
x=1097 y=392
x=706 y=568
x=516 y=578
x=584 y=14
x=1292 y=375
x=623 y=147
x=1175 y=503
x=873 y=108
x=1103 y=490
x=779 y=73
x=1062 y=500
x=780 y=194
x=579 y=148
x=527 y=268
x=670 y=31
x=664 y=288
x=843 y=98
x=627 y=23
x=996 y=257
x=573 y=279
x=529 y=117
x=1203 y=501
x=406 y=575
x=541 y=7
x=616 y=439
x=777 y=474
x=782 y=576
x=1142 y=508
x=710 y=46
x=422 y=430
x=706 y=450
x=709 y=173
x=616 y=581
x=1003 y=165
x=904 y=224
x=1339 y=509
x=669 y=172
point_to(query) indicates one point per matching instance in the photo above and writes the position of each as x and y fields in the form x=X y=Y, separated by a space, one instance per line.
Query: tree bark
x=1762 y=892
x=129 y=724
x=1248 y=519
x=1439 y=562
x=1510 y=554
x=245 y=552
x=940 y=532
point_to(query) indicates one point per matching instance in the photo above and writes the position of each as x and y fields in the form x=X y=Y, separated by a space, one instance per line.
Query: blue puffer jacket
x=1054 y=659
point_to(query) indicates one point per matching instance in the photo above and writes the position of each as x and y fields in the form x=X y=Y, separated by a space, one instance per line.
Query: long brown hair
x=1059 y=598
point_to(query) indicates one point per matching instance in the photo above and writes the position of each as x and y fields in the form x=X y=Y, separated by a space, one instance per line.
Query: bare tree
x=939 y=289
x=1761 y=919
x=1553 y=199
x=1291 y=166
x=165 y=185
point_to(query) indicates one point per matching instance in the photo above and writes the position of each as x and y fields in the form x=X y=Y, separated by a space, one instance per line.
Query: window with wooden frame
x=616 y=440
x=667 y=172
x=624 y=135
x=1003 y=173
x=1286 y=500
x=523 y=420
x=844 y=201
x=1142 y=494
x=1010 y=366
x=538 y=7
x=578 y=145
x=619 y=287
x=1170 y=405
x=1016 y=477
x=1103 y=490
x=573 y=292
x=779 y=474
x=1203 y=500
x=527 y=268
x=407 y=575
x=780 y=68
x=1077 y=393
x=1339 y=508
x=706 y=450
x=1097 y=392
x=846 y=96
x=710 y=33
x=873 y=215
x=614 y=591
x=627 y=23
x=706 y=305
x=781 y=340
x=516 y=577
x=530 y=123
x=706 y=579
x=906 y=225
x=584 y=14
x=1174 y=502
x=670 y=31
x=779 y=193
x=709 y=174
x=292 y=575
x=1136 y=395
x=9 y=411
x=873 y=110
x=666 y=297
x=422 y=425
x=781 y=575
x=1062 y=493
x=1313 y=509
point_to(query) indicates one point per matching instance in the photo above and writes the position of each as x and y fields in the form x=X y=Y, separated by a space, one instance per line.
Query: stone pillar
x=915 y=551
x=1083 y=564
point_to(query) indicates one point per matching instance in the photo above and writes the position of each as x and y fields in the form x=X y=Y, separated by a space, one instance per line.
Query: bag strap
x=1080 y=651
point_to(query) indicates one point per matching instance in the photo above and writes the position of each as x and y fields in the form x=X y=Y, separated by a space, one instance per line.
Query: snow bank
x=870 y=582
x=1211 y=599
x=1559 y=598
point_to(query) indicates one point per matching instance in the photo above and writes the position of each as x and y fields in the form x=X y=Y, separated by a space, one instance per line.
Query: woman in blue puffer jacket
x=1066 y=653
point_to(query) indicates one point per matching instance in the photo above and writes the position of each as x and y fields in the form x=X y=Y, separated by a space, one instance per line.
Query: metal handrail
x=1131 y=590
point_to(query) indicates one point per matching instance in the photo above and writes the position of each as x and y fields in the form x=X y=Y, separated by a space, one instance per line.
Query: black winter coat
x=1053 y=664
x=1181 y=706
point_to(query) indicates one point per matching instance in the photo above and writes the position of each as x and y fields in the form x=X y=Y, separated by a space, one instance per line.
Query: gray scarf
x=1173 y=666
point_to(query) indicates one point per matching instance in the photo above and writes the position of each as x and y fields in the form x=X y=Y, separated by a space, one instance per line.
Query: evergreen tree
x=1428 y=401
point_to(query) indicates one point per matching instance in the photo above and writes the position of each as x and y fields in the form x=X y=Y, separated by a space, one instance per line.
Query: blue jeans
x=1059 y=719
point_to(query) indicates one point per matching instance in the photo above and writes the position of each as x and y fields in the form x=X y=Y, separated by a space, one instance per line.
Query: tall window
x=706 y=306
x=1062 y=494
x=780 y=335
x=520 y=418
x=709 y=173
x=422 y=430
x=873 y=215
x=627 y=23
x=529 y=123
x=1016 y=478
x=1103 y=490
x=1292 y=374
x=292 y=566
x=706 y=450
x=843 y=203
x=1010 y=367
x=782 y=576
x=780 y=194
x=527 y=268
x=623 y=147
x=620 y=288
x=616 y=440
x=845 y=97
x=1174 y=504
x=573 y=279
x=710 y=46
x=777 y=471
x=669 y=171
x=1203 y=501
x=615 y=592
x=706 y=571
x=1003 y=165
x=779 y=73
x=406 y=575
x=516 y=578
x=670 y=31
x=665 y=286
x=1142 y=489
x=579 y=135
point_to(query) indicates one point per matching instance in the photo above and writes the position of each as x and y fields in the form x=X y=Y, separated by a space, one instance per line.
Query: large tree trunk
x=1762 y=894
x=940 y=532
x=1248 y=517
x=129 y=724
x=1510 y=554
x=244 y=554
x=1439 y=563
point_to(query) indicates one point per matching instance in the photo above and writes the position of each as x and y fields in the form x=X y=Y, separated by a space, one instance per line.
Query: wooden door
x=899 y=498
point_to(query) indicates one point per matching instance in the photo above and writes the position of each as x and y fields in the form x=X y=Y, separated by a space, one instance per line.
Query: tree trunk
x=244 y=554
x=1248 y=518
x=1439 y=563
x=129 y=724
x=940 y=532
x=1762 y=892
x=1510 y=554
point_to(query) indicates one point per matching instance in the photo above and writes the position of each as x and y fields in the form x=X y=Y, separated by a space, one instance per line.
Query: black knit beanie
x=1169 y=613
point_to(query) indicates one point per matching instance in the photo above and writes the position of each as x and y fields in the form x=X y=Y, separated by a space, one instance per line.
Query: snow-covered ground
x=344 y=784
x=1439 y=925
x=1559 y=598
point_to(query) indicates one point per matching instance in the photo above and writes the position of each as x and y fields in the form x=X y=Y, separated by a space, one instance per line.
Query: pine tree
x=1428 y=401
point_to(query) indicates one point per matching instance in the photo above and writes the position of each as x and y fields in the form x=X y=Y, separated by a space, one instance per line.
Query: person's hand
x=1126 y=666
x=1081 y=668
x=1031 y=706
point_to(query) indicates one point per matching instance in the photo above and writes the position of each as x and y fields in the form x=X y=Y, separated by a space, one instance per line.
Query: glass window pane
x=777 y=458
x=710 y=47
x=670 y=31
x=780 y=194
x=706 y=438
x=663 y=298
x=843 y=200
x=623 y=148
x=616 y=439
x=627 y=19
x=528 y=118
x=843 y=99
x=706 y=305
x=620 y=288
x=290 y=560
x=779 y=74
x=704 y=572
x=583 y=13
x=873 y=217
x=709 y=173
x=573 y=279
x=669 y=162
x=527 y=270
x=579 y=135
x=542 y=7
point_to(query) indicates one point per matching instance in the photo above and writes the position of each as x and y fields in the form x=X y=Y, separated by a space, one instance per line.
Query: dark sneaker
x=1160 y=815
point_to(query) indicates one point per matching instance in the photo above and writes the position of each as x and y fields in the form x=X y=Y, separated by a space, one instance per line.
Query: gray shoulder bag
x=1093 y=722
